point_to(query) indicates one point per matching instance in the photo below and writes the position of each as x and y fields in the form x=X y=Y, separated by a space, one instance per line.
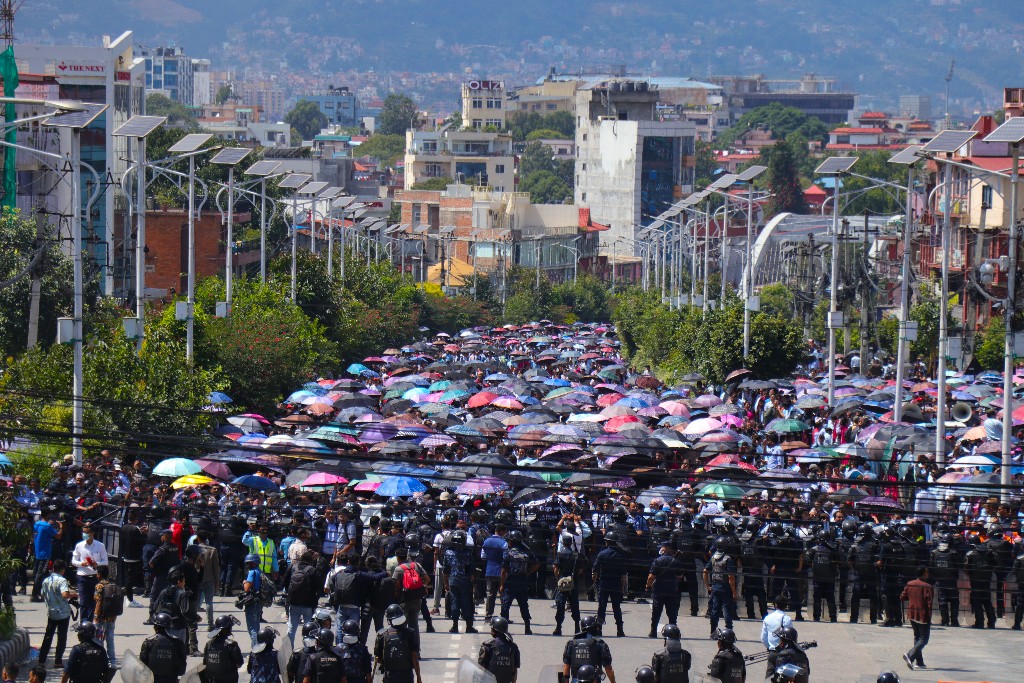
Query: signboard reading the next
x=484 y=85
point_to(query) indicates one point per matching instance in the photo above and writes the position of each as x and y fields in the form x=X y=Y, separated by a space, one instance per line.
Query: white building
x=467 y=156
x=484 y=103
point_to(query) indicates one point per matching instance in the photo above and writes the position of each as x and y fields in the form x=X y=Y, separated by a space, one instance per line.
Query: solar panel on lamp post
x=835 y=167
x=75 y=122
x=1012 y=133
x=137 y=128
x=907 y=157
x=723 y=184
x=328 y=195
x=263 y=169
x=747 y=177
x=945 y=143
x=230 y=157
x=294 y=182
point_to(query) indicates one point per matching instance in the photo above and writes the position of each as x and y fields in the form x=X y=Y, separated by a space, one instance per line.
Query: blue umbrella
x=5 y=462
x=299 y=396
x=176 y=467
x=253 y=481
x=407 y=471
x=356 y=369
x=217 y=397
x=400 y=487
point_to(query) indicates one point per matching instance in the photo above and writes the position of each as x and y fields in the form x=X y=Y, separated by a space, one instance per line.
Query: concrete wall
x=608 y=174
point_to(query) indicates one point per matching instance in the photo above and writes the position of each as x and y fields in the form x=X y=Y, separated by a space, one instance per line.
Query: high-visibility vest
x=265 y=549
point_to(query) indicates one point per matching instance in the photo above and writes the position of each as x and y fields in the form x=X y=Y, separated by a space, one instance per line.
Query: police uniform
x=323 y=666
x=222 y=658
x=688 y=549
x=752 y=560
x=823 y=560
x=978 y=563
x=586 y=649
x=864 y=577
x=166 y=656
x=789 y=654
x=458 y=564
x=356 y=661
x=500 y=656
x=297 y=663
x=394 y=650
x=1018 y=573
x=665 y=589
x=610 y=566
x=728 y=666
x=87 y=663
x=720 y=602
x=944 y=569
x=671 y=665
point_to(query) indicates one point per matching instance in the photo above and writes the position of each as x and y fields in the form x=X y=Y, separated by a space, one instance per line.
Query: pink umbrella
x=653 y=411
x=368 y=485
x=481 y=399
x=702 y=426
x=721 y=436
x=605 y=400
x=481 y=486
x=619 y=423
x=677 y=408
x=216 y=469
x=323 y=479
x=731 y=420
x=707 y=400
x=507 y=402
x=435 y=440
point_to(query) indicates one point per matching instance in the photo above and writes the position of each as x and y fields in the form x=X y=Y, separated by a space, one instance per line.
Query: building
x=338 y=104
x=463 y=155
x=629 y=167
x=169 y=72
x=111 y=74
x=265 y=93
x=916 y=106
x=484 y=103
x=816 y=96
x=201 y=93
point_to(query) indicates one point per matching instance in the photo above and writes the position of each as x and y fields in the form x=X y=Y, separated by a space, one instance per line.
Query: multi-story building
x=111 y=74
x=201 y=93
x=814 y=95
x=339 y=105
x=169 y=72
x=265 y=93
x=484 y=104
x=629 y=166
x=916 y=106
x=479 y=157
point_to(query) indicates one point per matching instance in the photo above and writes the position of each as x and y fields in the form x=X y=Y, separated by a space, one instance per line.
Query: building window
x=477 y=123
x=523 y=106
x=494 y=122
x=583 y=196
x=415 y=214
x=551 y=106
x=584 y=166
x=584 y=137
x=499 y=168
x=986 y=196
x=499 y=188
x=494 y=103
x=478 y=103
x=536 y=107
x=434 y=170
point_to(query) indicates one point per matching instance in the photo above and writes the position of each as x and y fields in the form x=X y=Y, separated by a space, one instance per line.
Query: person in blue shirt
x=251 y=585
x=492 y=552
x=44 y=532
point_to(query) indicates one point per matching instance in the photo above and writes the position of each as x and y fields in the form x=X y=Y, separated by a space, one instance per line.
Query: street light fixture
x=724 y=183
x=263 y=169
x=835 y=167
x=294 y=182
x=230 y=157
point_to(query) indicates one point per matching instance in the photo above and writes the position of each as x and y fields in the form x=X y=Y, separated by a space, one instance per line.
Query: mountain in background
x=878 y=48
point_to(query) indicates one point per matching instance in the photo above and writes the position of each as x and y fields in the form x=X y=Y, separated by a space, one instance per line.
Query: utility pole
x=865 y=298
x=37 y=275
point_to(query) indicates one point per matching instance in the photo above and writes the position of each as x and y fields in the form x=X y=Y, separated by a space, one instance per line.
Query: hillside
x=865 y=44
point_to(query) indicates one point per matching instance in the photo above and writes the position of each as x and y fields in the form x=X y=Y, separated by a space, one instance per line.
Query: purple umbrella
x=481 y=486
x=707 y=401
x=879 y=502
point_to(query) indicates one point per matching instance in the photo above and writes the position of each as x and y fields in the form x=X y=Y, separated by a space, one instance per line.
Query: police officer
x=356 y=661
x=457 y=565
x=788 y=652
x=891 y=558
x=645 y=674
x=663 y=584
x=297 y=660
x=671 y=664
x=264 y=664
x=568 y=565
x=888 y=677
x=87 y=662
x=500 y=655
x=165 y=655
x=518 y=563
x=978 y=563
x=688 y=549
x=844 y=541
x=728 y=665
x=1002 y=560
x=397 y=649
x=720 y=582
x=585 y=649
x=944 y=568
x=787 y=567
x=752 y=559
x=1018 y=573
x=863 y=561
x=323 y=665
x=222 y=656
x=823 y=560
x=608 y=572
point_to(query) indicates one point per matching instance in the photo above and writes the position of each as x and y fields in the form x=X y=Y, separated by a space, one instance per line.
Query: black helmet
x=162 y=620
x=504 y=516
x=223 y=624
x=515 y=536
x=499 y=624
x=849 y=526
x=645 y=674
x=86 y=631
x=412 y=540
x=906 y=531
x=865 y=530
x=395 y=503
x=611 y=537
x=386 y=511
x=450 y=515
x=458 y=538
x=787 y=633
x=671 y=631
x=589 y=624
x=395 y=615
x=995 y=529
x=888 y=677
x=175 y=575
x=586 y=673
x=724 y=635
x=353 y=509
x=386 y=525
x=350 y=631
x=324 y=637
x=309 y=629
x=620 y=514
x=822 y=535
x=321 y=615
x=480 y=516
x=775 y=529
x=941 y=526
x=660 y=518
x=266 y=636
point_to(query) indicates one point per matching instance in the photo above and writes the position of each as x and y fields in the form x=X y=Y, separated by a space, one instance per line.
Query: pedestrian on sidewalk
x=109 y=606
x=919 y=594
x=89 y=554
x=56 y=592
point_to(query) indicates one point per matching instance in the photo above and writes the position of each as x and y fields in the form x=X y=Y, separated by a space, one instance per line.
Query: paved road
x=846 y=653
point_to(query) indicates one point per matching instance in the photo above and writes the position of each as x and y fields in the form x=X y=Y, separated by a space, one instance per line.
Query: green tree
x=989 y=351
x=777 y=300
x=706 y=167
x=398 y=115
x=537 y=160
x=178 y=115
x=587 y=299
x=780 y=120
x=224 y=93
x=546 y=188
x=880 y=200
x=388 y=148
x=783 y=179
x=306 y=118
x=433 y=184
x=543 y=134
x=521 y=124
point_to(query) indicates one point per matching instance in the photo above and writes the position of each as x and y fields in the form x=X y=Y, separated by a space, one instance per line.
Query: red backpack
x=411 y=579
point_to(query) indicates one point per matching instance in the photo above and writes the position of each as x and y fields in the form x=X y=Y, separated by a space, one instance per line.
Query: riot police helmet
x=671 y=632
x=458 y=539
x=499 y=624
x=480 y=516
x=321 y=615
x=786 y=634
x=505 y=516
x=586 y=673
x=849 y=526
x=621 y=514
x=645 y=674
x=412 y=540
x=888 y=677
x=162 y=620
x=350 y=632
x=660 y=518
x=395 y=615
x=325 y=637
x=515 y=536
x=724 y=635
x=589 y=624
x=309 y=629
x=865 y=530
x=86 y=631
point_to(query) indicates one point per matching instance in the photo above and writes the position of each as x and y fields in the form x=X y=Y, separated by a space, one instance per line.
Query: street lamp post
x=230 y=157
x=294 y=182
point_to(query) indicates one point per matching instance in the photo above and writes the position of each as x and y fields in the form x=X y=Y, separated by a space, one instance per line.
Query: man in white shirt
x=775 y=620
x=89 y=554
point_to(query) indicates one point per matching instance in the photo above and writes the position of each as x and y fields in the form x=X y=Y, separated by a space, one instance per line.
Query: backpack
x=112 y=604
x=518 y=562
x=300 y=589
x=341 y=584
x=267 y=590
x=411 y=579
x=396 y=651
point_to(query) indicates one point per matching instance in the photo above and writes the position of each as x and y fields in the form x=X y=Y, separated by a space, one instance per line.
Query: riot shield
x=284 y=653
x=133 y=670
x=193 y=674
x=551 y=673
x=469 y=671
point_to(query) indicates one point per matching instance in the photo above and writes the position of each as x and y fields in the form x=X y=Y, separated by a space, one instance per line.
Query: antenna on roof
x=949 y=77
x=8 y=8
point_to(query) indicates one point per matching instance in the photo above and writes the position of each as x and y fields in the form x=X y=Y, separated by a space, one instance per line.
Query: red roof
x=815 y=190
x=992 y=163
x=586 y=225
x=843 y=147
x=873 y=115
x=856 y=131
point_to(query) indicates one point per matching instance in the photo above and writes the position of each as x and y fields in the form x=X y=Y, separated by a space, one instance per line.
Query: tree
x=543 y=134
x=306 y=118
x=545 y=188
x=783 y=179
x=537 y=160
x=706 y=167
x=398 y=115
x=780 y=120
x=178 y=115
x=224 y=93
x=777 y=300
x=388 y=148
x=433 y=184
x=991 y=342
x=521 y=123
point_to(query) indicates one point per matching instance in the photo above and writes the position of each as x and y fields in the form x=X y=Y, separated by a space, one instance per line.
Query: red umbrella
x=605 y=400
x=729 y=460
x=480 y=400
x=619 y=423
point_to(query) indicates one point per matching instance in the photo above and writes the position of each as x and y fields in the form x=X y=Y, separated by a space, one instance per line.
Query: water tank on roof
x=641 y=86
x=627 y=86
x=616 y=86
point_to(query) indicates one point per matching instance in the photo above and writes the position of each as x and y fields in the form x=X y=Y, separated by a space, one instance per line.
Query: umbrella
x=722 y=490
x=878 y=502
x=530 y=495
x=481 y=486
x=218 y=398
x=253 y=481
x=401 y=487
x=246 y=424
x=215 y=469
x=5 y=462
x=322 y=479
x=701 y=426
x=848 y=493
x=191 y=480
x=787 y=425
x=666 y=493
x=176 y=467
x=707 y=401
x=973 y=461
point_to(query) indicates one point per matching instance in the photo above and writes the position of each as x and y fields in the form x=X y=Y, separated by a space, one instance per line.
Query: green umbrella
x=787 y=426
x=721 y=491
